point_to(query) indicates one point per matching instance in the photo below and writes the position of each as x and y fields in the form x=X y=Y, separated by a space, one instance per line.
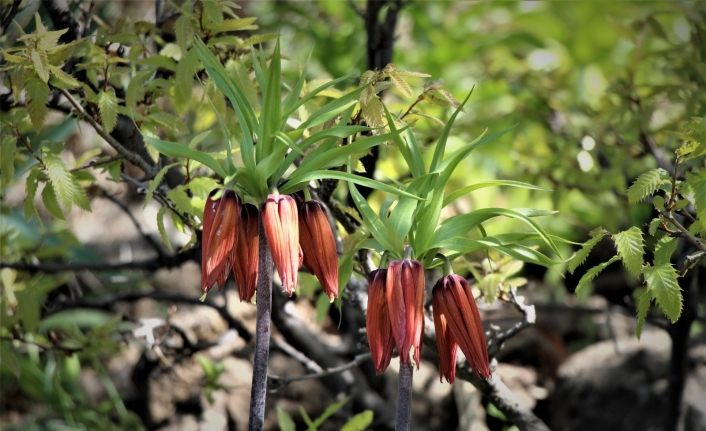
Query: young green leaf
x=173 y=149
x=359 y=422
x=162 y=230
x=492 y=183
x=630 y=248
x=591 y=274
x=662 y=282
x=108 y=107
x=643 y=299
x=284 y=421
x=664 y=249
x=38 y=93
x=646 y=184
x=580 y=256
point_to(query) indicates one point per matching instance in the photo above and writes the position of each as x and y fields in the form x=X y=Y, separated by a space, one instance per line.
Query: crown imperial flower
x=246 y=258
x=458 y=324
x=377 y=321
x=219 y=238
x=279 y=217
x=405 y=301
x=319 y=246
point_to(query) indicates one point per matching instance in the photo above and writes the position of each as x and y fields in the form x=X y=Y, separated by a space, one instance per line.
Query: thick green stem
x=404 y=398
x=258 y=390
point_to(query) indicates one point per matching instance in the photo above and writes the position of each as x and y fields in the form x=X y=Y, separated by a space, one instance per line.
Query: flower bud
x=377 y=321
x=458 y=322
x=246 y=255
x=405 y=301
x=282 y=233
x=319 y=246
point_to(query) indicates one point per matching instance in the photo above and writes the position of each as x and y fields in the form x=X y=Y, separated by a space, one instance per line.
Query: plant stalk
x=404 y=398
x=258 y=391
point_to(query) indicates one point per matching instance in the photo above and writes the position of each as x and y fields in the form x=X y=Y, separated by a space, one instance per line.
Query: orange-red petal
x=319 y=246
x=405 y=299
x=456 y=303
x=281 y=223
x=377 y=322
x=221 y=240
x=245 y=263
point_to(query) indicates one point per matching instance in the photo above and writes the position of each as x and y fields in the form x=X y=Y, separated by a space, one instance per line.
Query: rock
x=621 y=385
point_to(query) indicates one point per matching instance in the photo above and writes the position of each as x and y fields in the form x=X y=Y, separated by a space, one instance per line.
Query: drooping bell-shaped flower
x=319 y=246
x=246 y=254
x=377 y=321
x=219 y=238
x=458 y=323
x=405 y=302
x=281 y=223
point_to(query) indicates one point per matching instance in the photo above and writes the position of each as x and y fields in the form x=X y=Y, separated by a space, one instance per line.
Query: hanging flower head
x=405 y=301
x=319 y=246
x=246 y=259
x=279 y=217
x=458 y=323
x=377 y=321
x=219 y=238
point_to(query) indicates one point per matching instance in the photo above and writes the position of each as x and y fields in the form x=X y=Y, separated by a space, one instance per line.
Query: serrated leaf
x=664 y=249
x=400 y=84
x=654 y=225
x=643 y=301
x=50 y=39
x=8 y=147
x=183 y=81
x=372 y=112
x=359 y=422
x=50 y=202
x=162 y=230
x=108 y=107
x=38 y=93
x=136 y=89
x=646 y=184
x=40 y=62
x=662 y=281
x=580 y=257
x=284 y=421
x=630 y=248
x=61 y=179
x=30 y=192
x=591 y=274
x=61 y=79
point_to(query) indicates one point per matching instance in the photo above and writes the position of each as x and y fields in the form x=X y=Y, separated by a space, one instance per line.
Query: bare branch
x=127 y=154
x=279 y=381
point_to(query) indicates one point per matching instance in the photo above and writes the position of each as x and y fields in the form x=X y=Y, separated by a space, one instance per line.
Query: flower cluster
x=395 y=318
x=295 y=233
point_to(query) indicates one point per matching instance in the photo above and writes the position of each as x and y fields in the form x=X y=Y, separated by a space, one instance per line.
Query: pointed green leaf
x=630 y=248
x=50 y=202
x=173 y=149
x=359 y=422
x=662 y=282
x=162 y=230
x=8 y=147
x=284 y=421
x=590 y=275
x=646 y=184
x=30 y=192
x=580 y=256
x=493 y=183
x=38 y=93
x=643 y=300
x=40 y=62
x=664 y=249
x=108 y=107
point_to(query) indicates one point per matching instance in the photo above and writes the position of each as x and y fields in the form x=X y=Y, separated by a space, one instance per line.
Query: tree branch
x=277 y=382
x=152 y=264
x=133 y=158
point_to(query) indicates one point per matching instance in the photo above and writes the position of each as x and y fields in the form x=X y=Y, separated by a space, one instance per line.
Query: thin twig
x=97 y=163
x=280 y=381
x=127 y=154
x=684 y=232
x=151 y=264
x=156 y=246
